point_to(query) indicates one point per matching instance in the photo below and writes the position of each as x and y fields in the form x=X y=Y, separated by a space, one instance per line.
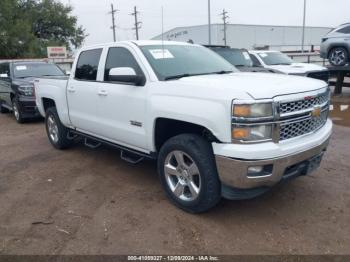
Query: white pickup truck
x=215 y=132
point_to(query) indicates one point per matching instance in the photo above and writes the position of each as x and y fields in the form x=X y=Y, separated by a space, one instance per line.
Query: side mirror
x=67 y=73
x=125 y=75
x=4 y=75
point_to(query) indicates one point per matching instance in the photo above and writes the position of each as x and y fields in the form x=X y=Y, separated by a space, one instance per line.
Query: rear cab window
x=87 y=65
x=5 y=68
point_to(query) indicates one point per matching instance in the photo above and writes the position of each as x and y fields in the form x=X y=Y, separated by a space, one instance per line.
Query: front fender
x=213 y=115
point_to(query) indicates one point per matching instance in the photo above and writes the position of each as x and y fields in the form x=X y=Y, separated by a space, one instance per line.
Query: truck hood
x=256 y=85
x=297 y=68
x=25 y=80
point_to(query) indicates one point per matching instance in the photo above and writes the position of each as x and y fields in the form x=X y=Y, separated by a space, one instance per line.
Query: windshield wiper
x=178 y=76
x=188 y=75
x=281 y=64
x=221 y=72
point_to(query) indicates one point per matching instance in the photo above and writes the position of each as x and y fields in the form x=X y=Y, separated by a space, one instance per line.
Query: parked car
x=17 y=88
x=284 y=64
x=239 y=58
x=335 y=46
x=214 y=131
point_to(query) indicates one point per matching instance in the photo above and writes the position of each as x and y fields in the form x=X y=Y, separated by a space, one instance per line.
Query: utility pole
x=224 y=19
x=137 y=24
x=113 y=11
x=209 y=23
x=303 y=34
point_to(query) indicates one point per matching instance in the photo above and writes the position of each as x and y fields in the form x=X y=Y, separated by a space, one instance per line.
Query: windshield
x=275 y=58
x=22 y=70
x=235 y=56
x=176 y=61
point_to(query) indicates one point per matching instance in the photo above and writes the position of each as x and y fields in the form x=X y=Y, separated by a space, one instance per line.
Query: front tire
x=187 y=171
x=17 y=111
x=56 y=131
x=338 y=56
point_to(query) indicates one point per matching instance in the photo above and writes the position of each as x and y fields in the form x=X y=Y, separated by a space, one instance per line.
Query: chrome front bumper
x=234 y=172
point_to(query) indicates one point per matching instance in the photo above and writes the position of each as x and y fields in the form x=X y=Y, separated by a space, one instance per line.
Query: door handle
x=71 y=89
x=102 y=93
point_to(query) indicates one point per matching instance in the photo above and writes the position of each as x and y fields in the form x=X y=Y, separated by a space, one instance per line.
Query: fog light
x=260 y=171
x=255 y=169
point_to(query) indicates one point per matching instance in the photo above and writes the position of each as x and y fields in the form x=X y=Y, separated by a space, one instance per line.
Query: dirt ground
x=83 y=201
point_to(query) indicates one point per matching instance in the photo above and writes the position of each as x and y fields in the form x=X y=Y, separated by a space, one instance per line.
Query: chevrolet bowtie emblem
x=316 y=112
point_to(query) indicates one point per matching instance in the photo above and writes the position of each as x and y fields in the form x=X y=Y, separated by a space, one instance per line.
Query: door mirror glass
x=4 y=75
x=126 y=75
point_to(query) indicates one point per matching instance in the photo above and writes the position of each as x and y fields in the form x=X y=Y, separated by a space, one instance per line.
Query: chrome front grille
x=304 y=104
x=303 y=126
x=294 y=115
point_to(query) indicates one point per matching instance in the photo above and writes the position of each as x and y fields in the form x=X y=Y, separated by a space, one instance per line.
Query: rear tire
x=187 y=171
x=56 y=131
x=338 y=56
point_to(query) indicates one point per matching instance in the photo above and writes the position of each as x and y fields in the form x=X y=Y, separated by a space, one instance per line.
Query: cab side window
x=87 y=65
x=5 y=68
x=344 y=30
x=120 y=57
x=255 y=60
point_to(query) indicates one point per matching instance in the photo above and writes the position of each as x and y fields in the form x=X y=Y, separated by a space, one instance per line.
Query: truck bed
x=54 y=88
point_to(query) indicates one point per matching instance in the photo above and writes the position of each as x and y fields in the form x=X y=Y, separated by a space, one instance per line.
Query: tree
x=27 y=27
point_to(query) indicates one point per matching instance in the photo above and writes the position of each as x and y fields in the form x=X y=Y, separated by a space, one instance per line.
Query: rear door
x=122 y=106
x=82 y=91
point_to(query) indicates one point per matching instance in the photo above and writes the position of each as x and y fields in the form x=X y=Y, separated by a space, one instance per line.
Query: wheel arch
x=331 y=47
x=166 y=128
x=47 y=103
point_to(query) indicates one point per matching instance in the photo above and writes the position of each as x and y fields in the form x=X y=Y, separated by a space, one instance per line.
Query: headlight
x=26 y=90
x=251 y=133
x=252 y=110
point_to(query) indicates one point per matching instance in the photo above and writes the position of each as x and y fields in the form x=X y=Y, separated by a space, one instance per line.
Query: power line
x=224 y=19
x=113 y=11
x=137 y=24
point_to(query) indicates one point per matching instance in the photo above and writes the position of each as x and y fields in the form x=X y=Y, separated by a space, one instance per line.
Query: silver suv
x=336 y=45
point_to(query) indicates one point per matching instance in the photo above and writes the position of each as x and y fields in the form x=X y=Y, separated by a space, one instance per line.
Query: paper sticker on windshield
x=21 y=68
x=246 y=55
x=161 y=53
x=263 y=55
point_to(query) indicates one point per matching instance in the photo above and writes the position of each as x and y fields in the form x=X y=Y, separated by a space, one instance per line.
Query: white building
x=284 y=38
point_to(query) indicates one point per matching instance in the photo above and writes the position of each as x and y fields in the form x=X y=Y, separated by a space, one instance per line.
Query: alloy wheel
x=15 y=111
x=52 y=129
x=338 y=56
x=182 y=175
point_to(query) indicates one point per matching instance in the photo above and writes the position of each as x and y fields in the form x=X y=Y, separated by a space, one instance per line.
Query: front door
x=121 y=107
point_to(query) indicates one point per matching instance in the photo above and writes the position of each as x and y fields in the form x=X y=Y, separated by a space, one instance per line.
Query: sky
x=93 y=15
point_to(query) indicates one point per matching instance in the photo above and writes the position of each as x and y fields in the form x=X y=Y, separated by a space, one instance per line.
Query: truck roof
x=139 y=43
x=25 y=62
